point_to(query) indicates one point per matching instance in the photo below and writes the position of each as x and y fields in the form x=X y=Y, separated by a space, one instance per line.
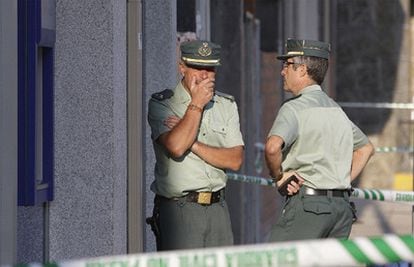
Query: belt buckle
x=204 y=198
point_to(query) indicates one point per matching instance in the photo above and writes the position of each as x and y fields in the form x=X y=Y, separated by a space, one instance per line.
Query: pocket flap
x=317 y=207
x=220 y=128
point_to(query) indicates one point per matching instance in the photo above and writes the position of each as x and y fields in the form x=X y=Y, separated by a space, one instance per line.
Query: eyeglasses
x=287 y=63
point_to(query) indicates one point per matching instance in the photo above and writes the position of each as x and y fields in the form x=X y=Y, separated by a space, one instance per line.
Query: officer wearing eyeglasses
x=196 y=136
x=313 y=140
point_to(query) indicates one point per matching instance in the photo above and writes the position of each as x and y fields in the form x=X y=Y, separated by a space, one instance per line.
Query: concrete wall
x=8 y=131
x=88 y=215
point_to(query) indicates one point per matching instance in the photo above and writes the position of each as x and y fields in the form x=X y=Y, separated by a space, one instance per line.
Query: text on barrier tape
x=323 y=252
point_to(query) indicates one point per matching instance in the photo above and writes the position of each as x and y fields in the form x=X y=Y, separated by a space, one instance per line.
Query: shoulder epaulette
x=165 y=94
x=229 y=97
x=290 y=99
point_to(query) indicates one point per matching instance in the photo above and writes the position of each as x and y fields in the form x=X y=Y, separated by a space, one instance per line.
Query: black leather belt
x=203 y=198
x=326 y=192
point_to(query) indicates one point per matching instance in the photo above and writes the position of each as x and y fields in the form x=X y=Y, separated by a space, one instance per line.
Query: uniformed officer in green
x=196 y=136
x=313 y=139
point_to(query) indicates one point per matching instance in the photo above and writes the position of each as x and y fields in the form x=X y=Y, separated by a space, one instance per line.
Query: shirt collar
x=310 y=88
x=183 y=96
x=180 y=93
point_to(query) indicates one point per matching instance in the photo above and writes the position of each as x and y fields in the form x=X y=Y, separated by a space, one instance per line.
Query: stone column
x=88 y=216
x=8 y=131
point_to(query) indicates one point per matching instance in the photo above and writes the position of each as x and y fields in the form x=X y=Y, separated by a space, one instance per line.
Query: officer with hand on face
x=313 y=140
x=196 y=137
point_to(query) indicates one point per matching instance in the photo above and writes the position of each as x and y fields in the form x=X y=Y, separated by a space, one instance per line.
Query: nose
x=204 y=74
x=207 y=73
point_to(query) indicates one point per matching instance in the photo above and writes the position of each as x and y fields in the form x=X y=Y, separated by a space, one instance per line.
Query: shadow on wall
x=369 y=37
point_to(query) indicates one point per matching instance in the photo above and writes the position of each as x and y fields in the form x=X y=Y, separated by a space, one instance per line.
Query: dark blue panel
x=30 y=191
x=48 y=120
x=26 y=111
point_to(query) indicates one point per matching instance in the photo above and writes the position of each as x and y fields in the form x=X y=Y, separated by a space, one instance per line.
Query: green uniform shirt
x=219 y=127
x=319 y=139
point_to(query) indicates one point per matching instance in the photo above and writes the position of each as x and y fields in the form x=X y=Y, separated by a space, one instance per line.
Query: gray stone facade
x=88 y=215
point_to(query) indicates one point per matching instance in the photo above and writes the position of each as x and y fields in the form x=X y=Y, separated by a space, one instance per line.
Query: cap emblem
x=204 y=50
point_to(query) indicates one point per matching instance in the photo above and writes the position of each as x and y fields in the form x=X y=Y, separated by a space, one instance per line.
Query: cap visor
x=202 y=64
x=283 y=57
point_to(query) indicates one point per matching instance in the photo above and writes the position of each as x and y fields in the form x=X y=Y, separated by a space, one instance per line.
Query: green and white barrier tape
x=381 y=149
x=394 y=149
x=371 y=194
x=250 y=179
x=384 y=195
x=323 y=252
x=376 y=105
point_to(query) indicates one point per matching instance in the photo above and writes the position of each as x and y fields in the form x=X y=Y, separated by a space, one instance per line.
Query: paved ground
x=376 y=218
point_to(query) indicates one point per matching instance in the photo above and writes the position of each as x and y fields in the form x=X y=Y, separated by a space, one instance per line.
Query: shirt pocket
x=219 y=128
x=317 y=206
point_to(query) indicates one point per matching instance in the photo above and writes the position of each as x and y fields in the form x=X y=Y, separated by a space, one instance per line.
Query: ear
x=181 y=68
x=303 y=70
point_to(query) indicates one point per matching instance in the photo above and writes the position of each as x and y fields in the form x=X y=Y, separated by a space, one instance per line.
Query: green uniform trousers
x=313 y=217
x=187 y=225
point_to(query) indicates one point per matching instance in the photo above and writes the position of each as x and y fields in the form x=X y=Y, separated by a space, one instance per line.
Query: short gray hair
x=317 y=67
